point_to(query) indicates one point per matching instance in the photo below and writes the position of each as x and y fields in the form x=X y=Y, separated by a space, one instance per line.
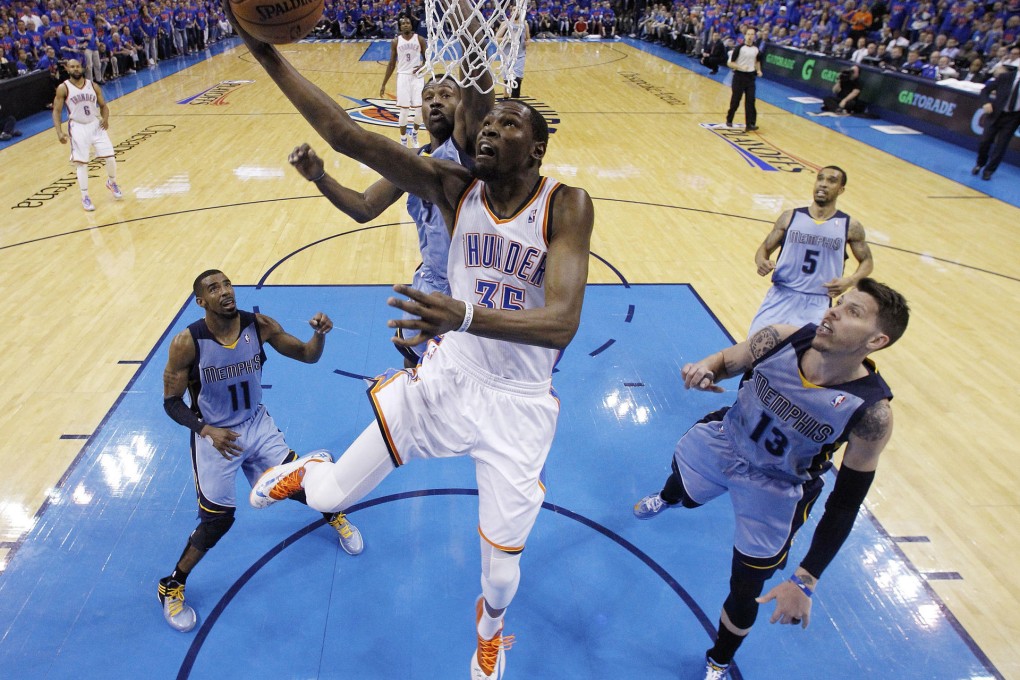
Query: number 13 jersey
x=788 y=428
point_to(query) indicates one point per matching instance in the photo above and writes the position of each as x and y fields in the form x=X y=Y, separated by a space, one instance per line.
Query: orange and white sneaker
x=283 y=481
x=114 y=189
x=489 y=661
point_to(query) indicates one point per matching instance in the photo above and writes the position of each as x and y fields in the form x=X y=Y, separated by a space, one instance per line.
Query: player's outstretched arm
x=402 y=166
x=553 y=325
x=705 y=374
x=475 y=101
x=361 y=206
x=289 y=346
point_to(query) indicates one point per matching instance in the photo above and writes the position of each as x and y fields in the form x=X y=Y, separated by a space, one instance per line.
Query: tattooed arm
x=869 y=437
x=703 y=375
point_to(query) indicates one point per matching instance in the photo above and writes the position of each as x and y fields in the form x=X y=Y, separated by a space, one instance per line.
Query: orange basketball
x=277 y=22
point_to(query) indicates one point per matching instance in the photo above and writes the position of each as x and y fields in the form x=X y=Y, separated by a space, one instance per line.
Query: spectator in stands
x=893 y=59
x=930 y=70
x=925 y=45
x=945 y=70
x=913 y=65
x=845 y=49
x=860 y=20
x=976 y=72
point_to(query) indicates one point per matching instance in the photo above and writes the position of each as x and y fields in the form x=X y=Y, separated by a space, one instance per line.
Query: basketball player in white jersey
x=88 y=118
x=406 y=53
x=518 y=268
x=808 y=273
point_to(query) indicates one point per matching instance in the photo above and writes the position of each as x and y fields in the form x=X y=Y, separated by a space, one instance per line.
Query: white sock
x=111 y=168
x=82 y=171
x=337 y=486
x=488 y=626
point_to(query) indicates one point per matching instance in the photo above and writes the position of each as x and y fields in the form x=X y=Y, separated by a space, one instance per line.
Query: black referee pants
x=743 y=86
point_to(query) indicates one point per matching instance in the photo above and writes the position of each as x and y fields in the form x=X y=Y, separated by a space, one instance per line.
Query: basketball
x=279 y=22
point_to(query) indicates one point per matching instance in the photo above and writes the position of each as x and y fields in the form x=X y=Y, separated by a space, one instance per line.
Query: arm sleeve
x=182 y=415
x=838 y=519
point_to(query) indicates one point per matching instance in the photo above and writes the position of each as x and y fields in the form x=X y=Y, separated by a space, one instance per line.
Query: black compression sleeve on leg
x=838 y=519
x=182 y=415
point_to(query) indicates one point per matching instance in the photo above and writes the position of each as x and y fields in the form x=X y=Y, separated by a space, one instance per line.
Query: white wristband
x=469 y=314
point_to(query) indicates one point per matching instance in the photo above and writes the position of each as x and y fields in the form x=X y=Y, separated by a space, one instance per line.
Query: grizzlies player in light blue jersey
x=808 y=274
x=452 y=116
x=806 y=392
x=219 y=360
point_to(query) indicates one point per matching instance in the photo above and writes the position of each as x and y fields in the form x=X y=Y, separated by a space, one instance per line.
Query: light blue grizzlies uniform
x=811 y=254
x=771 y=447
x=226 y=386
x=433 y=236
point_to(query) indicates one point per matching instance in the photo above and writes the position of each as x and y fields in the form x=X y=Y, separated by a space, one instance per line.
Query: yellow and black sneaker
x=350 y=537
x=178 y=614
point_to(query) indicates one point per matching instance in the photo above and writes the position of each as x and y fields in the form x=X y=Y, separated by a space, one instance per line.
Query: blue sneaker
x=650 y=506
x=350 y=537
x=179 y=615
x=283 y=481
x=716 y=671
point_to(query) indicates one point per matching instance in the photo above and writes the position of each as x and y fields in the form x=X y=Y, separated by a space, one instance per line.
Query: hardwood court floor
x=87 y=296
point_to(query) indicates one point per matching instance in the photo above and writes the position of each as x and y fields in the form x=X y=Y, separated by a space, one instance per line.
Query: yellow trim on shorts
x=504 y=548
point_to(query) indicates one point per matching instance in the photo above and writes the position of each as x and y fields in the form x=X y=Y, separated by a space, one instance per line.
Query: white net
x=468 y=38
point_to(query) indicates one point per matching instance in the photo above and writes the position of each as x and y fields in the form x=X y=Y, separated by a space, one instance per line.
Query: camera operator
x=846 y=93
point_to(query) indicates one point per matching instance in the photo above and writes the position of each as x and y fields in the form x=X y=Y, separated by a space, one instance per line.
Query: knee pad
x=403 y=118
x=501 y=573
x=741 y=604
x=211 y=530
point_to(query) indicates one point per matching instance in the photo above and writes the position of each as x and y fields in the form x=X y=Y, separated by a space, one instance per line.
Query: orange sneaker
x=489 y=661
x=283 y=481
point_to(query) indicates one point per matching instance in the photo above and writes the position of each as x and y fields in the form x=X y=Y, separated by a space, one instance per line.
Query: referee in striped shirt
x=745 y=61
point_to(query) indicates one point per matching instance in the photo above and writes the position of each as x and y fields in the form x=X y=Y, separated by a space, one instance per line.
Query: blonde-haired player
x=88 y=117
x=406 y=53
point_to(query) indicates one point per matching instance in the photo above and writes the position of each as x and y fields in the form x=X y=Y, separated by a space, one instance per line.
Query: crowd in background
x=937 y=40
x=110 y=39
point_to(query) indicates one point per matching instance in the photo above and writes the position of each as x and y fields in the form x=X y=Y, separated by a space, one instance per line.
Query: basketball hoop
x=463 y=41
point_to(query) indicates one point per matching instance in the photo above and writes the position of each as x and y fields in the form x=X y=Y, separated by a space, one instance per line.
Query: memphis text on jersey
x=493 y=251
x=799 y=419
x=211 y=374
x=814 y=240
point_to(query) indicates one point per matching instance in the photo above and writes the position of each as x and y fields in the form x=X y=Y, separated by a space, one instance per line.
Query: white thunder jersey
x=408 y=55
x=81 y=103
x=500 y=264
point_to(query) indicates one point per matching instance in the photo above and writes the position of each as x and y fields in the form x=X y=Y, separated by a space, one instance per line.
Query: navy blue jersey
x=226 y=381
x=787 y=427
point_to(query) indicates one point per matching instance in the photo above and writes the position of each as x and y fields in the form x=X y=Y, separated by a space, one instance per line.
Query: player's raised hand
x=699 y=377
x=321 y=323
x=438 y=313
x=307 y=162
